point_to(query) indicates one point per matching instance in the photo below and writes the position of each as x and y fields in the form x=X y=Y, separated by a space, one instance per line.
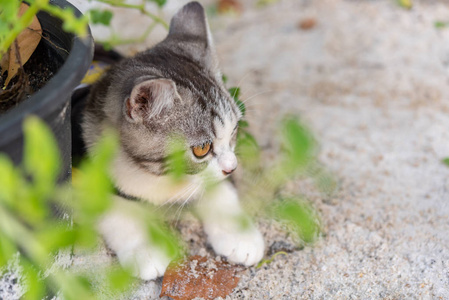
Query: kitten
x=174 y=87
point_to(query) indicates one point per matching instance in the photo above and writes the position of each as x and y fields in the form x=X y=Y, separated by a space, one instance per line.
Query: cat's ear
x=190 y=30
x=149 y=99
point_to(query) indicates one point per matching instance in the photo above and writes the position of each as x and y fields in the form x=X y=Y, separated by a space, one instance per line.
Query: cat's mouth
x=227 y=173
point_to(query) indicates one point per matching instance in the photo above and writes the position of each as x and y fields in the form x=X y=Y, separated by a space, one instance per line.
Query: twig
x=140 y=7
x=24 y=21
x=268 y=261
x=115 y=41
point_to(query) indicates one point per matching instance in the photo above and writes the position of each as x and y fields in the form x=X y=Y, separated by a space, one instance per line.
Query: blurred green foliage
x=11 y=25
x=407 y=4
x=263 y=3
x=27 y=195
x=247 y=146
x=299 y=215
x=102 y=17
x=297 y=157
x=176 y=163
x=441 y=24
x=446 y=161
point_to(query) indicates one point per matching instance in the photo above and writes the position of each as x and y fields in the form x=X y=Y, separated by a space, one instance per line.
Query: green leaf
x=407 y=4
x=41 y=155
x=159 y=3
x=445 y=161
x=9 y=14
x=263 y=3
x=85 y=235
x=35 y=286
x=235 y=92
x=71 y=23
x=224 y=78
x=92 y=185
x=54 y=236
x=119 y=280
x=164 y=238
x=176 y=162
x=75 y=287
x=298 y=144
x=7 y=250
x=301 y=216
x=441 y=24
x=241 y=106
x=243 y=124
x=32 y=208
x=100 y=16
x=9 y=181
x=248 y=150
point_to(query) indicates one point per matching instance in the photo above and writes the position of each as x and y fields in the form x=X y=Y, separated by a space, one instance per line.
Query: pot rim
x=55 y=90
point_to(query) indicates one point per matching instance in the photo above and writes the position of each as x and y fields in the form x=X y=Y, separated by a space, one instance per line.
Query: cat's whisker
x=258 y=94
x=250 y=111
x=252 y=104
x=179 y=210
x=180 y=196
x=241 y=81
x=176 y=197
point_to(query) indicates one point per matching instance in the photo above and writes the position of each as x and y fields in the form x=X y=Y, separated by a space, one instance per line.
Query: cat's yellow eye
x=201 y=151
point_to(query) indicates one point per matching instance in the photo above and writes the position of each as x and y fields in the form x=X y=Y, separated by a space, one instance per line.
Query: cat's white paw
x=145 y=262
x=244 y=247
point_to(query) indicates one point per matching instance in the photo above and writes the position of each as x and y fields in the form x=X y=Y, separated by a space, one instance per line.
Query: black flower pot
x=71 y=56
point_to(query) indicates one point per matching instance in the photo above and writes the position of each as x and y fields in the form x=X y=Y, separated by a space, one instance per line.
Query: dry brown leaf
x=199 y=277
x=27 y=42
x=4 y=63
x=227 y=6
x=307 y=23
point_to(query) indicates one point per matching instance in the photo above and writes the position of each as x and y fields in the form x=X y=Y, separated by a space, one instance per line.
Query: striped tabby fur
x=173 y=88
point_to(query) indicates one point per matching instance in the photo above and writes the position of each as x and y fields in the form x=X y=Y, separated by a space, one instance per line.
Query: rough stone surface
x=371 y=81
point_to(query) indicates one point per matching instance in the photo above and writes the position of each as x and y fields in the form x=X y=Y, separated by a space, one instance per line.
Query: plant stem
x=140 y=7
x=23 y=22
x=38 y=256
x=115 y=41
x=17 y=232
x=61 y=14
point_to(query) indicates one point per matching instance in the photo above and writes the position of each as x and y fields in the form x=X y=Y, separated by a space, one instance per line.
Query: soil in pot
x=41 y=67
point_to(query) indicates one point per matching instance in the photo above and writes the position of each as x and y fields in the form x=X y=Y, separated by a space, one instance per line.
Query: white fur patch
x=159 y=190
x=128 y=238
x=221 y=214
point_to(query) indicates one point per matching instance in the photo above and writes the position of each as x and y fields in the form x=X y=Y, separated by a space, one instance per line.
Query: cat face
x=177 y=91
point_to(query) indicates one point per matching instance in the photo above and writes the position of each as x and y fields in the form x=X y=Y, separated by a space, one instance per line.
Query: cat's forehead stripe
x=216 y=115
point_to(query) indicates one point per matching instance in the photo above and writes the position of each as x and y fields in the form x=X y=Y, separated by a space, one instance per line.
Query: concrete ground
x=371 y=80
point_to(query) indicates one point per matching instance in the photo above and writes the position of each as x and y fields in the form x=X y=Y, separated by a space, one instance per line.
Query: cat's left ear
x=149 y=99
x=190 y=32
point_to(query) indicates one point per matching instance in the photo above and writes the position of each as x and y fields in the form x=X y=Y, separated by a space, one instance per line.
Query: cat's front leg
x=221 y=214
x=127 y=236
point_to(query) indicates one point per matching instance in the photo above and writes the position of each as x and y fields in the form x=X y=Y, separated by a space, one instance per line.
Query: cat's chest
x=134 y=181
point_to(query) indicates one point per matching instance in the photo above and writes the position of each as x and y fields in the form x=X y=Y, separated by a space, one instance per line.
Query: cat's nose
x=227 y=163
x=227 y=172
